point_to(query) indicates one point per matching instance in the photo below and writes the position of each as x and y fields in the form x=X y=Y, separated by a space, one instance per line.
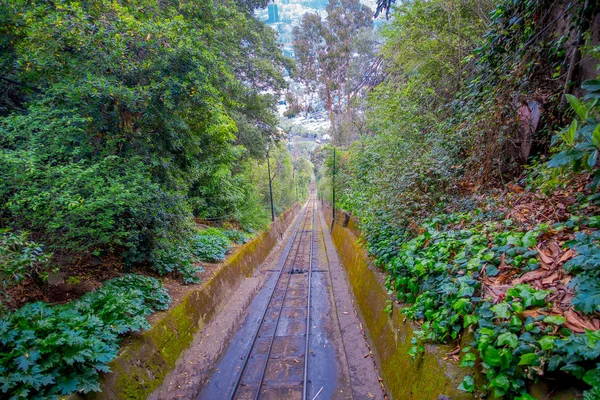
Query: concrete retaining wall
x=147 y=357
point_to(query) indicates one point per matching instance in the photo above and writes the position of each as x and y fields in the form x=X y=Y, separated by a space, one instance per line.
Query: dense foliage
x=20 y=259
x=466 y=98
x=210 y=245
x=581 y=139
x=47 y=351
x=119 y=122
x=471 y=91
x=446 y=278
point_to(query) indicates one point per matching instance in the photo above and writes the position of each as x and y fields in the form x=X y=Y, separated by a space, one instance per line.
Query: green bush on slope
x=47 y=351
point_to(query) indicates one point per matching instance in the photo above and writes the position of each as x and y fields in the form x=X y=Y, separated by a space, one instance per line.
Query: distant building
x=288 y=52
x=273 y=14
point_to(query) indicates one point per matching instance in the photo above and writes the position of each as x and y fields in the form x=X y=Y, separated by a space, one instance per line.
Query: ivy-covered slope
x=476 y=188
x=518 y=270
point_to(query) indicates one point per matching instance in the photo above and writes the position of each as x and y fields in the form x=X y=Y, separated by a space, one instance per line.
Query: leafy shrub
x=236 y=236
x=580 y=141
x=20 y=258
x=48 y=351
x=210 y=245
x=81 y=207
x=176 y=258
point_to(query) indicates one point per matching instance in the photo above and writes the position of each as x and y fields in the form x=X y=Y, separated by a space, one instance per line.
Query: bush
x=176 y=258
x=81 y=206
x=48 y=351
x=236 y=236
x=20 y=258
x=580 y=141
x=210 y=245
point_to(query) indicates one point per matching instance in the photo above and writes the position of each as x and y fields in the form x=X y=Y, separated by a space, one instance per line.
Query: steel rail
x=262 y=320
x=272 y=340
x=306 y=347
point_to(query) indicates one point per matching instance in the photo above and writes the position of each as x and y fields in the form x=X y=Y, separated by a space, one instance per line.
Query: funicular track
x=276 y=364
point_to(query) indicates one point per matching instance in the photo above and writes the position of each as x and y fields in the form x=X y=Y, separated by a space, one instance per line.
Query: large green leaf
x=529 y=359
x=587 y=296
x=592 y=377
x=492 y=357
x=467 y=384
x=579 y=107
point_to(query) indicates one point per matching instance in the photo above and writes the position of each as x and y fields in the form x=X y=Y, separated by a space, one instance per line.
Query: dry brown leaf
x=554 y=249
x=546 y=266
x=502 y=261
x=549 y=279
x=514 y=188
x=579 y=324
x=532 y=313
x=532 y=276
x=565 y=281
x=567 y=256
x=544 y=257
x=505 y=277
x=566 y=299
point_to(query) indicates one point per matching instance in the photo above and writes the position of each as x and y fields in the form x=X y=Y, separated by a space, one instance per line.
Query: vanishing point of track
x=276 y=363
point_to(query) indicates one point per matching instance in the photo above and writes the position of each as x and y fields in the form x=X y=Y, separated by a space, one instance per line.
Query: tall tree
x=325 y=50
x=121 y=120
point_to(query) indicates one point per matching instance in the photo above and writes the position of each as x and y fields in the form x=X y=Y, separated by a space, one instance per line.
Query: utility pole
x=270 y=187
x=333 y=192
x=294 y=181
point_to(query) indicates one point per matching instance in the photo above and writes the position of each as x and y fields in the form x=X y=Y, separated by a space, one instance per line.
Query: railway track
x=276 y=364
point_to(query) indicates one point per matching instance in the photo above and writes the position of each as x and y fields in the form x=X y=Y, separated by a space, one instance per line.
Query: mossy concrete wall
x=390 y=335
x=146 y=358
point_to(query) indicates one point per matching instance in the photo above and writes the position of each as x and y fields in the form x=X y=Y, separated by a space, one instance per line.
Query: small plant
x=74 y=280
x=20 y=259
x=210 y=245
x=51 y=351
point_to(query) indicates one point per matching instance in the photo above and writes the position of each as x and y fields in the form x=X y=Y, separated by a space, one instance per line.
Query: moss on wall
x=146 y=358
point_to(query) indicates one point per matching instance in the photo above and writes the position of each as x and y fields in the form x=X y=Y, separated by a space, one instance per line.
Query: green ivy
x=586 y=266
x=437 y=275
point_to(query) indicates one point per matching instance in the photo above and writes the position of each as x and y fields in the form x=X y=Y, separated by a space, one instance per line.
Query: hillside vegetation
x=126 y=127
x=475 y=183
